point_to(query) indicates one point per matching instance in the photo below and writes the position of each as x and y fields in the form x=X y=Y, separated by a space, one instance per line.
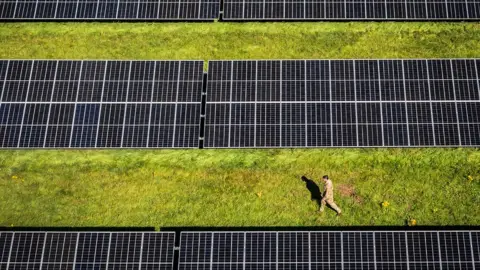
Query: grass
x=237 y=187
x=205 y=41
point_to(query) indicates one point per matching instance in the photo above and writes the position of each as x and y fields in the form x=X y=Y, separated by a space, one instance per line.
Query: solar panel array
x=100 y=104
x=329 y=250
x=240 y=10
x=351 y=10
x=250 y=104
x=86 y=250
x=109 y=9
x=343 y=103
x=241 y=250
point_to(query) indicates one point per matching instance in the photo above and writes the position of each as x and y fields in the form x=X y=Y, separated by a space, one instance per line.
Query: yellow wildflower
x=385 y=204
x=259 y=194
x=470 y=178
x=14 y=177
x=412 y=222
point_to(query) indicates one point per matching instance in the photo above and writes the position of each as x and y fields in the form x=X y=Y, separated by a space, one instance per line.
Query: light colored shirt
x=328 y=190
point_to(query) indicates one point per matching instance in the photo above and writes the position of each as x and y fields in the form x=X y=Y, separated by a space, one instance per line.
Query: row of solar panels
x=246 y=104
x=241 y=250
x=239 y=9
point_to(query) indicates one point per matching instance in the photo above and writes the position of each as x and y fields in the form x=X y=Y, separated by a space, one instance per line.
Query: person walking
x=328 y=196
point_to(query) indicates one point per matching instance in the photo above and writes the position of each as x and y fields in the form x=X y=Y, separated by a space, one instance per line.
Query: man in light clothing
x=328 y=196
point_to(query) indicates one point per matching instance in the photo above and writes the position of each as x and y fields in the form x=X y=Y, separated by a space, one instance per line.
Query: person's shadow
x=315 y=194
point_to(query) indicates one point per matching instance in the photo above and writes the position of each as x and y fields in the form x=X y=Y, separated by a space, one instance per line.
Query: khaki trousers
x=331 y=203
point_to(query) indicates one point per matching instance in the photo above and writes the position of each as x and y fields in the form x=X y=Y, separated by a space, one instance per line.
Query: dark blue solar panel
x=5 y=245
x=455 y=247
x=59 y=250
x=341 y=103
x=19 y=70
x=125 y=249
x=281 y=103
x=87 y=114
x=3 y=72
x=348 y=10
x=41 y=100
x=475 y=241
x=14 y=90
x=92 y=250
x=325 y=250
x=26 y=248
x=196 y=247
x=110 y=10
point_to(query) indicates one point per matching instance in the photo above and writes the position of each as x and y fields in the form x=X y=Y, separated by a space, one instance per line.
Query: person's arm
x=328 y=189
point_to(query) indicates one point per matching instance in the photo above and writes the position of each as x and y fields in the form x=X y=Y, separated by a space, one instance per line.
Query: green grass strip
x=206 y=41
x=237 y=187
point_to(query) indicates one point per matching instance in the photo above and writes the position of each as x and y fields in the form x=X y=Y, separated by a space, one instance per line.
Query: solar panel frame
x=420 y=134
x=319 y=10
x=106 y=10
x=86 y=80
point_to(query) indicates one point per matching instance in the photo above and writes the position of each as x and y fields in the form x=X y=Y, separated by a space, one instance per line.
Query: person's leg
x=322 y=205
x=334 y=206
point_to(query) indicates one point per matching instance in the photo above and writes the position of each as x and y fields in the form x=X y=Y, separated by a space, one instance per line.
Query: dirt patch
x=347 y=190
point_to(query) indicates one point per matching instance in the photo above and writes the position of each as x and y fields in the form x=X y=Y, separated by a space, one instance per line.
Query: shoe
x=339 y=214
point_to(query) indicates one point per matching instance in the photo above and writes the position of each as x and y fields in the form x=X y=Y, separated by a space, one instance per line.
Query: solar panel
x=343 y=103
x=328 y=250
x=26 y=251
x=475 y=242
x=351 y=10
x=100 y=104
x=59 y=250
x=5 y=245
x=241 y=250
x=86 y=250
x=109 y=10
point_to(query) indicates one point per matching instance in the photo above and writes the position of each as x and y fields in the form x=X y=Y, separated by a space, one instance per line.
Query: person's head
x=304 y=178
x=325 y=178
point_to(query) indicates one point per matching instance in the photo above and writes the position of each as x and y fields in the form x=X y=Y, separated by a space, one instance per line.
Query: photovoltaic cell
x=104 y=104
x=351 y=10
x=342 y=103
x=110 y=10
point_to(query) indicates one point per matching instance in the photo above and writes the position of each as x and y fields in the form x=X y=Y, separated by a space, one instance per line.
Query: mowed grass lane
x=206 y=41
x=237 y=187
